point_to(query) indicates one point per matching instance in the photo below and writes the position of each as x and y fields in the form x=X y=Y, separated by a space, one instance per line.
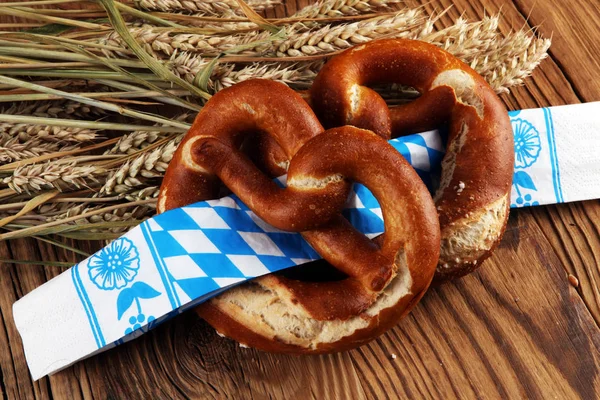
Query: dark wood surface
x=514 y=329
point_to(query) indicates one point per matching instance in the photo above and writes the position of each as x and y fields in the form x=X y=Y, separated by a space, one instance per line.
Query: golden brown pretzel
x=473 y=197
x=383 y=279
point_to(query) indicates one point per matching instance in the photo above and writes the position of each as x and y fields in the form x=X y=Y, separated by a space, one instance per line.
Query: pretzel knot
x=472 y=198
x=380 y=279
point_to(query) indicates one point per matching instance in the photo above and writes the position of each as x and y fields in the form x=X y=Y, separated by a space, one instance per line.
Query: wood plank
x=574 y=232
x=572 y=229
x=25 y=278
x=9 y=362
x=574 y=27
x=14 y=281
x=513 y=330
x=192 y=361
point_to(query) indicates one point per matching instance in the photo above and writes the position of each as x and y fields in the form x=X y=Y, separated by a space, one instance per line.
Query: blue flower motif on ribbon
x=115 y=265
x=527 y=143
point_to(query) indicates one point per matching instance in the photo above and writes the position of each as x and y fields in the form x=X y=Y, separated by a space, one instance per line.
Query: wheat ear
x=12 y=149
x=66 y=109
x=137 y=172
x=188 y=66
x=219 y=8
x=299 y=42
x=514 y=60
x=338 y=8
x=49 y=175
x=162 y=43
x=330 y=38
x=138 y=140
x=25 y=133
x=133 y=214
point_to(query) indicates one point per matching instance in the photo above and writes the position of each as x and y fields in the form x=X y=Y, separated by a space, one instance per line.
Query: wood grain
x=514 y=329
x=572 y=229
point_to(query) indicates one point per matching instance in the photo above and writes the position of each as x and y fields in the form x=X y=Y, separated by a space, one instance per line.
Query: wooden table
x=514 y=329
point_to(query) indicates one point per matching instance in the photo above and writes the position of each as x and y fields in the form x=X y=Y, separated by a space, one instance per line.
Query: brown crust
x=456 y=271
x=233 y=110
x=227 y=326
x=320 y=167
x=480 y=157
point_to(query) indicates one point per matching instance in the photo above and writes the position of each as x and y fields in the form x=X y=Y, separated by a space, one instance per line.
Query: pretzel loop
x=304 y=204
x=472 y=199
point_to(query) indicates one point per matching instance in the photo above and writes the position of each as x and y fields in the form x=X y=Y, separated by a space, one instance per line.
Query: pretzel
x=473 y=197
x=380 y=280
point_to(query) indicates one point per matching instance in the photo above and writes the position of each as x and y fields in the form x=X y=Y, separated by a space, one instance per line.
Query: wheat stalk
x=521 y=67
x=226 y=26
x=138 y=140
x=55 y=108
x=136 y=213
x=329 y=39
x=463 y=39
x=42 y=213
x=137 y=172
x=147 y=193
x=115 y=215
x=502 y=61
x=134 y=142
x=25 y=133
x=23 y=141
x=12 y=149
x=515 y=59
x=338 y=8
x=220 y=8
x=50 y=175
x=126 y=217
x=324 y=9
x=188 y=66
x=50 y=210
x=300 y=43
x=157 y=42
x=298 y=75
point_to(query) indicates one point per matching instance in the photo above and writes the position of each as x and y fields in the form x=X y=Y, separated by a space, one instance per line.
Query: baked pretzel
x=382 y=279
x=473 y=197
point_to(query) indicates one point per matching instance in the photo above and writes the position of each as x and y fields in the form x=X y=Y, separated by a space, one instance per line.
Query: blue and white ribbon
x=185 y=256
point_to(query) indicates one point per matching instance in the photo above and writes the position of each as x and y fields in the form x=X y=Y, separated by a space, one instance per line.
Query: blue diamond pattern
x=197 y=287
x=229 y=242
x=364 y=219
x=176 y=219
x=217 y=266
x=238 y=220
x=169 y=247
